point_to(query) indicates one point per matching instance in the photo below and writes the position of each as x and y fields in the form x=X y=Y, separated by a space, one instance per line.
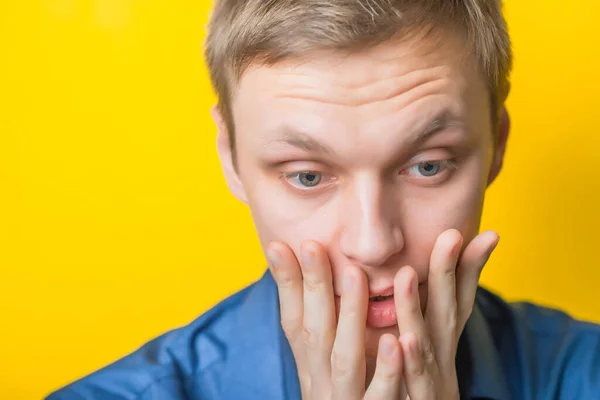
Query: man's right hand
x=330 y=354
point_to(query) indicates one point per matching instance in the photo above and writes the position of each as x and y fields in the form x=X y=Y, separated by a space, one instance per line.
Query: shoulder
x=553 y=352
x=171 y=366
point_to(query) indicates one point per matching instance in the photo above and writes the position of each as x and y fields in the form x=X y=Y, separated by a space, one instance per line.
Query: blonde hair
x=242 y=32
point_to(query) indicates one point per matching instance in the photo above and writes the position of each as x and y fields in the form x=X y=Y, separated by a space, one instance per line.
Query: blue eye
x=305 y=179
x=430 y=168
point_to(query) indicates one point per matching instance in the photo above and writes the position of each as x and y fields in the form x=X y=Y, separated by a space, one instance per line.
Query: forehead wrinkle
x=370 y=93
x=403 y=134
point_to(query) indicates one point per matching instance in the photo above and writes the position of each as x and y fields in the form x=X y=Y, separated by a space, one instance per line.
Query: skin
x=364 y=124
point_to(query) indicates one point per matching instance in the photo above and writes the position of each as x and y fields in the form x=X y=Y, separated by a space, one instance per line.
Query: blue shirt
x=238 y=351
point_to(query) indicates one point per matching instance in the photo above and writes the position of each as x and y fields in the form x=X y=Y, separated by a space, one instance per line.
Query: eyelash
x=449 y=164
x=287 y=176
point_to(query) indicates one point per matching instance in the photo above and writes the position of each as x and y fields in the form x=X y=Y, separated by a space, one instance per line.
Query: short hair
x=243 y=32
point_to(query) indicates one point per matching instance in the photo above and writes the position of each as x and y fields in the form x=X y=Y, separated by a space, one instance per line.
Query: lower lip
x=382 y=314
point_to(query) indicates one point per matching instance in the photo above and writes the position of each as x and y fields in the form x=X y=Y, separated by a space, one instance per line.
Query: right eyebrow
x=302 y=141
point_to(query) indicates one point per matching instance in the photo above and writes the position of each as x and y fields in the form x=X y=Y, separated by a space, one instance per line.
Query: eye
x=430 y=168
x=304 y=179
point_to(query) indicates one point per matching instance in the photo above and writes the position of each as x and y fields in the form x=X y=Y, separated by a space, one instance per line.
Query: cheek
x=457 y=206
x=277 y=217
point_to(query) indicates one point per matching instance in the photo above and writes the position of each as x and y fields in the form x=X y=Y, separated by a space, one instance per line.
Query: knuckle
x=417 y=370
x=290 y=329
x=447 y=268
x=310 y=337
x=313 y=285
x=428 y=353
x=342 y=365
x=286 y=281
x=451 y=273
x=349 y=313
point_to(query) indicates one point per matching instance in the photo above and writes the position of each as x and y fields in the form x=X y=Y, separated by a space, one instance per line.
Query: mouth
x=381 y=298
x=381 y=310
x=382 y=293
x=379 y=295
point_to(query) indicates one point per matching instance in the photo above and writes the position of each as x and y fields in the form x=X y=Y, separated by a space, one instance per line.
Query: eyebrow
x=440 y=122
x=301 y=140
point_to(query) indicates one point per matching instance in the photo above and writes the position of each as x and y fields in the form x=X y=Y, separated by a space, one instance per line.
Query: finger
x=387 y=381
x=470 y=265
x=286 y=272
x=410 y=318
x=319 y=315
x=441 y=313
x=408 y=305
x=348 y=368
x=420 y=383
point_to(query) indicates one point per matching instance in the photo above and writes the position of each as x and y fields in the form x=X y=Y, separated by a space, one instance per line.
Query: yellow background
x=115 y=223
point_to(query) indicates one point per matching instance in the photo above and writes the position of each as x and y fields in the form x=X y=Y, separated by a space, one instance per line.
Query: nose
x=370 y=233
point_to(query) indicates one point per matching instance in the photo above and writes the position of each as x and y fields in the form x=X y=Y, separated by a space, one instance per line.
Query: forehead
x=395 y=84
x=357 y=69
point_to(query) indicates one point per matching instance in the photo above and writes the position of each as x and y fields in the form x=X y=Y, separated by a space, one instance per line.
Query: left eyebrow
x=440 y=122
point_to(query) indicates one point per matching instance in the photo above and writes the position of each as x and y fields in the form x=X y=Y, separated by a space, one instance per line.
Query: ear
x=226 y=157
x=500 y=145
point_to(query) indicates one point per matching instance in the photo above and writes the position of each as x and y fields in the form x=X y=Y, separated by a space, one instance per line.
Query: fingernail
x=495 y=244
x=308 y=258
x=413 y=285
x=456 y=249
x=273 y=258
x=492 y=247
x=387 y=348
x=348 y=282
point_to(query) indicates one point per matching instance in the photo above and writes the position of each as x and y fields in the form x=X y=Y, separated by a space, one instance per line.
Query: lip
x=382 y=290
x=376 y=293
x=380 y=314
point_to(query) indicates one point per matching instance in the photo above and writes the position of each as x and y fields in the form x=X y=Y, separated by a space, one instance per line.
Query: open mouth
x=381 y=298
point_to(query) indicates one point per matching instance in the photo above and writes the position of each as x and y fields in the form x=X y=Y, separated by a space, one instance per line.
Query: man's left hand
x=429 y=343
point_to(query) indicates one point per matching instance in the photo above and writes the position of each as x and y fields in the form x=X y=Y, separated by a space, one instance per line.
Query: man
x=362 y=134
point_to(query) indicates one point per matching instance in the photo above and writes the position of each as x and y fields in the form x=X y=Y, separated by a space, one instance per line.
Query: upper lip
x=381 y=291
x=384 y=289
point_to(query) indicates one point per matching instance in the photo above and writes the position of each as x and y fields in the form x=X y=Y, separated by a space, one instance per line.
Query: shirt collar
x=263 y=363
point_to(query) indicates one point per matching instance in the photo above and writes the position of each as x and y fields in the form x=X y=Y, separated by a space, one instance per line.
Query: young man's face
x=373 y=154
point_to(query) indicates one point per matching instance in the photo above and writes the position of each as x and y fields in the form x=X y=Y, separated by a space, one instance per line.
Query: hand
x=331 y=360
x=429 y=343
x=331 y=364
